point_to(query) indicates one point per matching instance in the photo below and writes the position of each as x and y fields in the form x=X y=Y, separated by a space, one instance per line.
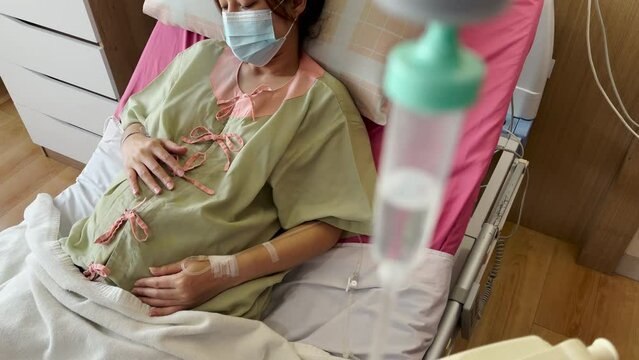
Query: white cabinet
x=65 y=64
x=67 y=16
x=57 y=99
x=51 y=133
x=74 y=61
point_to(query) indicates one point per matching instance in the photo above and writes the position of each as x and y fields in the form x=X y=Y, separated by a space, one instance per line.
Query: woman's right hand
x=142 y=157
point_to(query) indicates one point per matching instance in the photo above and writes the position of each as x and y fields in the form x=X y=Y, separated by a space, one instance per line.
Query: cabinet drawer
x=56 y=99
x=70 y=60
x=58 y=136
x=67 y=16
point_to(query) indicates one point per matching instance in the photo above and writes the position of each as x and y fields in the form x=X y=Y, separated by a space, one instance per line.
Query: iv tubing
x=379 y=336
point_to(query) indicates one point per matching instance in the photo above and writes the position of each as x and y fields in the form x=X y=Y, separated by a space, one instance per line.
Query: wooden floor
x=540 y=289
x=24 y=170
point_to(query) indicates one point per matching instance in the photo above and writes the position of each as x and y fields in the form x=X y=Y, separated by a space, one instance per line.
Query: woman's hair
x=308 y=21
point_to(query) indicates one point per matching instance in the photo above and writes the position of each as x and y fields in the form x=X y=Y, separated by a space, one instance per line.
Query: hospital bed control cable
x=500 y=245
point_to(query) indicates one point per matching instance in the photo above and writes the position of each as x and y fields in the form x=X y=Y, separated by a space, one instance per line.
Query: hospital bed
x=468 y=293
x=444 y=297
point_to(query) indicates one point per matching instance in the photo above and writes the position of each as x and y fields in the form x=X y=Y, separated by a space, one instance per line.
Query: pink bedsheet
x=502 y=42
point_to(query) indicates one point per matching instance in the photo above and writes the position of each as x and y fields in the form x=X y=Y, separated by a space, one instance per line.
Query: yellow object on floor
x=534 y=348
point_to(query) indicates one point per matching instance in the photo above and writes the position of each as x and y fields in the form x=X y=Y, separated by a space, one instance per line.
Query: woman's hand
x=142 y=157
x=171 y=290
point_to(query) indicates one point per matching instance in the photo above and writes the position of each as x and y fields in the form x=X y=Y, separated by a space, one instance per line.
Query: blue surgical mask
x=251 y=36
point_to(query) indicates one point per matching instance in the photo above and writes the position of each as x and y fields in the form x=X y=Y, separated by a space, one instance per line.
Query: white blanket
x=48 y=310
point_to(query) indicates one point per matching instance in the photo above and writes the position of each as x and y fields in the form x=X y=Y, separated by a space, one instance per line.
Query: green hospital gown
x=306 y=156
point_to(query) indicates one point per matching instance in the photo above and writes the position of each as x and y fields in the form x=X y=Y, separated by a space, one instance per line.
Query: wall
x=629 y=264
x=633 y=248
x=577 y=146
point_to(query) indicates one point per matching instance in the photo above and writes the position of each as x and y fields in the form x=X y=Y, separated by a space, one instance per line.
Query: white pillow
x=79 y=199
x=354 y=40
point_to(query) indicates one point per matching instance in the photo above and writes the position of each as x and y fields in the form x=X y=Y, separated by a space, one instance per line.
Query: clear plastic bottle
x=431 y=82
x=417 y=155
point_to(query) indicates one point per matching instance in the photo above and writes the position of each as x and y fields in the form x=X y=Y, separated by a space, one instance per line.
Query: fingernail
x=180 y=173
x=156 y=190
x=152 y=270
x=170 y=186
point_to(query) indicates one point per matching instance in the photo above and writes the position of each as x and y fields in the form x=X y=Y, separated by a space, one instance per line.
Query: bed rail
x=471 y=260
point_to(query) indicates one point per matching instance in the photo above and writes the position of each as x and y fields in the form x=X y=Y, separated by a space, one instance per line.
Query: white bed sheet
x=311 y=305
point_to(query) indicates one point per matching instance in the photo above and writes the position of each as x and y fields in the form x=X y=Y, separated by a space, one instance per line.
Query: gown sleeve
x=140 y=105
x=327 y=172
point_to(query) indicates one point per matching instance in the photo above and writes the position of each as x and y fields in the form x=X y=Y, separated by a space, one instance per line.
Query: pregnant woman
x=242 y=160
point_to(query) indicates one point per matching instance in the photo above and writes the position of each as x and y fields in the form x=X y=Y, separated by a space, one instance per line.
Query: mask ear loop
x=293 y=24
x=289 y=29
x=278 y=5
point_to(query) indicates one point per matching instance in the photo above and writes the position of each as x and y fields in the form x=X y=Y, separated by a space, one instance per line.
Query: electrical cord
x=521 y=207
x=521 y=119
x=517 y=123
x=624 y=121
x=609 y=67
x=500 y=247
x=512 y=114
x=511 y=130
x=513 y=136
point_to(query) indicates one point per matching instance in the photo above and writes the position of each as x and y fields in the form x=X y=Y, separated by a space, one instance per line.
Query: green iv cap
x=434 y=73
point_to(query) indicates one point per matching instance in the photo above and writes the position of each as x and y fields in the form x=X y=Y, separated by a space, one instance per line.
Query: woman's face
x=280 y=24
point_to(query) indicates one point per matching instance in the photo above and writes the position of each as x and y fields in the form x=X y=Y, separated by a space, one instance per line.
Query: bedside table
x=65 y=64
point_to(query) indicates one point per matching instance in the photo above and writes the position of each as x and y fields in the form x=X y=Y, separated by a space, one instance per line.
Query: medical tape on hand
x=224 y=266
x=220 y=266
x=186 y=265
x=271 y=251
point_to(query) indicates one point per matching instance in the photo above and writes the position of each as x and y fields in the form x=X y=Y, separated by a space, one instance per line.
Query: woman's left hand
x=170 y=290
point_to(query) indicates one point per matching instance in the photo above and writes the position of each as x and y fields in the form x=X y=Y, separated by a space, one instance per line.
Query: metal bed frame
x=476 y=249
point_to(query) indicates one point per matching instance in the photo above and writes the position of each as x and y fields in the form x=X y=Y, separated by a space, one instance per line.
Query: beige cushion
x=355 y=38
